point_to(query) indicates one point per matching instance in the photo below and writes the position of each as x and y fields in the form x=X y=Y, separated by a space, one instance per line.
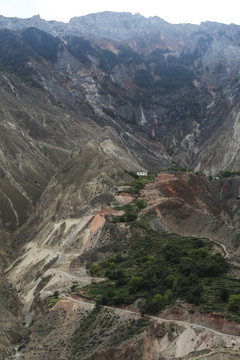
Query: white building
x=142 y=173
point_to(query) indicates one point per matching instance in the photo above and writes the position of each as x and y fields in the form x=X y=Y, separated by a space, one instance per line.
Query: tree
x=136 y=283
x=234 y=303
x=159 y=301
x=170 y=280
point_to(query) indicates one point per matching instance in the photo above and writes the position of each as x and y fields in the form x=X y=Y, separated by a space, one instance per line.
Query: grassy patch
x=125 y=333
x=219 y=291
x=101 y=327
x=140 y=183
x=130 y=211
x=86 y=324
x=82 y=334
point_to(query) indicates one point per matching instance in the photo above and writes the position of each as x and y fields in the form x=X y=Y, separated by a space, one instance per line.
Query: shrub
x=194 y=293
x=158 y=302
x=224 y=293
x=115 y=275
x=56 y=294
x=94 y=270
x=136 y=283
x=52 y=301
x=170 y=279
x=226 y=174
x=133 y=174
x=234 y=303
x=173 y=253
x=140 y=204
x=74 y=287
x=176 y=168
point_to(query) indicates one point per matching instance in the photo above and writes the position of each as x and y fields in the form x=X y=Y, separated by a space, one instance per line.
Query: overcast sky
x=174 y=11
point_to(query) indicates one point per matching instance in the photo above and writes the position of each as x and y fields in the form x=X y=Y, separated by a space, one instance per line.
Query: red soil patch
x=97 y=223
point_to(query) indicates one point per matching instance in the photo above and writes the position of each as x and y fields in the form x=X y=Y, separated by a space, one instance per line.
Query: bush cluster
x=130 y=212
x=226 y=174
x=159 y=270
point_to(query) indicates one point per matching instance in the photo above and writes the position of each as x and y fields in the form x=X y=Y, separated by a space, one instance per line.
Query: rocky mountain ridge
x=158 y=76
x=109 y=25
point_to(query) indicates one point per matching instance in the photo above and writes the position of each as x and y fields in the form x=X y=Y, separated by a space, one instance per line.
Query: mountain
x=182 y=78
x=84 y=107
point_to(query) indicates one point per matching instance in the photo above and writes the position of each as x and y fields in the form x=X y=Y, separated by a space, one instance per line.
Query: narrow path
x=76 y=277
x=159 y=319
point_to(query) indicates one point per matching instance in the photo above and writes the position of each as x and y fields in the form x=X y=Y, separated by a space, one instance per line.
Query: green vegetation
x=133 y=174
x=226 y=174
x=219 y=291
x=130 y=211
x=124 y=332
x=81 y=336
x=85 y=324
x=139 y=184
x=160 y=268
x=102 y=327
x=234 y=303
x=52 y=300
x=176 y=168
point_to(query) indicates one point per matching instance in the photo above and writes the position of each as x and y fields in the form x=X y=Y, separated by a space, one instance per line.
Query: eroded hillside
x=77 y=257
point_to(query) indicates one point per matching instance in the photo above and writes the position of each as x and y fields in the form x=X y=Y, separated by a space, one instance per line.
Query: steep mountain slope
x=40 y=137
x=63 y=242
x=84 y=106
x=177 y=83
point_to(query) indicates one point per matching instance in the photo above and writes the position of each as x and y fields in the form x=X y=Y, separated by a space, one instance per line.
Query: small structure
x=142 y=173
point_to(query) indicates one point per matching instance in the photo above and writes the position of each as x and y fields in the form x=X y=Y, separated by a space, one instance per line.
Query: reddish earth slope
x=190 y=205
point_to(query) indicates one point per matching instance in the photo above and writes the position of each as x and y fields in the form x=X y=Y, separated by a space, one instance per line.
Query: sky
x=173 y=11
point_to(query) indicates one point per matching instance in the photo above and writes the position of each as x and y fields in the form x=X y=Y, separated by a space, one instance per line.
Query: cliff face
x=176 y=83
x=106 y=25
